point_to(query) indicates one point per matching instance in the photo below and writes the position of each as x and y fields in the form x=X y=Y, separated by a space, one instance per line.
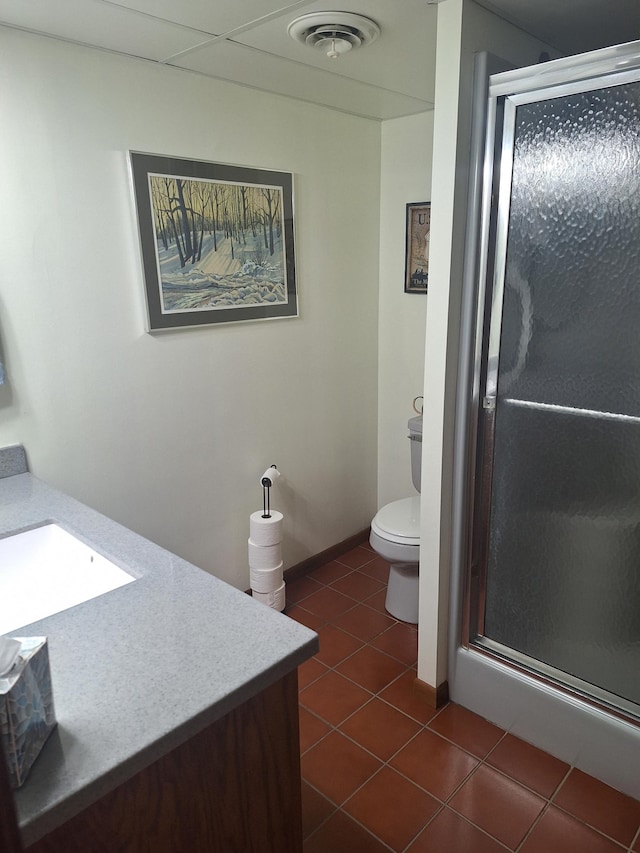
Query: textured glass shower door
x=560 y=587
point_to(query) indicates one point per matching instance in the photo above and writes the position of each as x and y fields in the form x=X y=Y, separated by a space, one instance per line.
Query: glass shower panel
x=563 y=573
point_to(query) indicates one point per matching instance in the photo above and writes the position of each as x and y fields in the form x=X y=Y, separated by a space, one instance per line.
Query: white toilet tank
x=415 y=436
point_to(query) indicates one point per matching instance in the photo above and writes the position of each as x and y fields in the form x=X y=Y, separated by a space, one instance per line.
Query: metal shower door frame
x=603 y=744
x=485 y=274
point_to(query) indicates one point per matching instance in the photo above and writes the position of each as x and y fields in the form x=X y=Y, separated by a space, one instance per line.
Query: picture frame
x=217 y=241
x=418 y=230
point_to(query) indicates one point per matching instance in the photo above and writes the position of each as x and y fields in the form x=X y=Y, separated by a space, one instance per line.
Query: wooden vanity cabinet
x=232 y=788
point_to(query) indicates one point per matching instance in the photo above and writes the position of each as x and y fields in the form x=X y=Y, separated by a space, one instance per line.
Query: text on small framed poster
x=416 y=270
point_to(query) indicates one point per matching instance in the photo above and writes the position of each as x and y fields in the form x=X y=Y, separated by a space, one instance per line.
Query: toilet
x=395 y=535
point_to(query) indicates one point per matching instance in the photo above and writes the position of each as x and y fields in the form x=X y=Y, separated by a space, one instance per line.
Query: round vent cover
x=333 y=32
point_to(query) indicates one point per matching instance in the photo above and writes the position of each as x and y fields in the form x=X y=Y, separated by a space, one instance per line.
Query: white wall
x=464 y=29
x=169 y=433
x=405 y=177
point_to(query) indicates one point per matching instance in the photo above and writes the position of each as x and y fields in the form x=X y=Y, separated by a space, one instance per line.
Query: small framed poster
x=416 y=270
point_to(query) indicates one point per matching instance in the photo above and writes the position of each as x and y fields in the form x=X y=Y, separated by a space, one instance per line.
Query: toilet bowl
x=395 y=536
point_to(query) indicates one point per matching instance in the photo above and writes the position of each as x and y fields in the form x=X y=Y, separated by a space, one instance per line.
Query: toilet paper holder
x=267 y=481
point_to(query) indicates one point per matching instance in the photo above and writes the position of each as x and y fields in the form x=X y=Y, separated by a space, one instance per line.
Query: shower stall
x=545 y=636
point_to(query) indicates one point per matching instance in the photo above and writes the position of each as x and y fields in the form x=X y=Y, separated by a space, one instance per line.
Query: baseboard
x=332 y=553
x=306 y=566
x=435 y=697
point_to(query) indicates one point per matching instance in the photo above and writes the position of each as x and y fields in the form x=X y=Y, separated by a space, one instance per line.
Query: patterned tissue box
x=27 y=716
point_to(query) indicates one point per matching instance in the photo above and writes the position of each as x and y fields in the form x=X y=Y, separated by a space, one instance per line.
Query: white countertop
x=141 y=669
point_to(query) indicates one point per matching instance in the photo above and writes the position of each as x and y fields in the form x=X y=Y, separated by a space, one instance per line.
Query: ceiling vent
x=333 y=33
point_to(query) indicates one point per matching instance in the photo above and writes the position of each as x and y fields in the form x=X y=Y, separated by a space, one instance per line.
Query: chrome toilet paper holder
x=267 y=481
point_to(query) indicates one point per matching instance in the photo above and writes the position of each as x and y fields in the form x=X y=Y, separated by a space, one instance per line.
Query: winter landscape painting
x=217 y=241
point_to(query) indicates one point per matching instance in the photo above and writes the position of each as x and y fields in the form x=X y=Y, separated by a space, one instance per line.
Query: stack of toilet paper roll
x=265 y=559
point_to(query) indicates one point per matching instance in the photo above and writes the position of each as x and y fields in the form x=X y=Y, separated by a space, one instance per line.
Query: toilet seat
x=395 y=536
x=399 y=522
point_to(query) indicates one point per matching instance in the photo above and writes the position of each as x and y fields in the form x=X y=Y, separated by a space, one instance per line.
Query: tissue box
x=27 y=716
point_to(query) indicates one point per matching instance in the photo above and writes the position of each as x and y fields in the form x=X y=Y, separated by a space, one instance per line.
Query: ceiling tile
x=393 y=76
x=230 y=61
x=402 y=59
x=574 y=27
x=100 y=25
x=211 y=16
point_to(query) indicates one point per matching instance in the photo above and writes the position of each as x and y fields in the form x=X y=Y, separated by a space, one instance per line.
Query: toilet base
x=402 y=592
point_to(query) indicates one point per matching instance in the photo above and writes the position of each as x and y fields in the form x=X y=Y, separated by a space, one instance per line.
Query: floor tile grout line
x=549 y=800
x=364 y=575
x=590 y=826
x=383 y=762
x=478 y=758
x=442 y=803
x=496 y=744
x=407 y=668
x=331 y=813
x=374 y=648
x=373 y=695
x=387 y=762
x=548 y=805
x=466 y=820
x=359 y=649
x=552 y=801
x=519 y=782
x=325 y=622
x=360 y=599
x=535 y=823
x=356 y=601
x=561 y=784
x=354 y=568
x=336 y=809
x=370 y=641
x=329 y=584
x=447 y=802
x=353 y=793
x=313 y=680
x=359 y=708
x=422 y=828
x=449 y=805
x=422 y=728
x=397 y=708
x=367 y=829
x=380 y=651
x=340 y=808
x=351 y=634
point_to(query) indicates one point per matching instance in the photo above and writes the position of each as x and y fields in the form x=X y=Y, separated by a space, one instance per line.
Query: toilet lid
x=399 y=521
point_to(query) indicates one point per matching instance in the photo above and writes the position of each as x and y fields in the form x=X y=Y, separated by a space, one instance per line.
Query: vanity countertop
x=138 y=671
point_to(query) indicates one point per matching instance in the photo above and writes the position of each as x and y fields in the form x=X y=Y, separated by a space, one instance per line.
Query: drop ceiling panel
x=229 y=61
x=573 y=26
x=394 y=76
x=100 y=25
x=212 y=16
x=402 y=59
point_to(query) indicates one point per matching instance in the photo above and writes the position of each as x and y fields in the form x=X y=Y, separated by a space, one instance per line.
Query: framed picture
x=216 y=240
x=416 y=267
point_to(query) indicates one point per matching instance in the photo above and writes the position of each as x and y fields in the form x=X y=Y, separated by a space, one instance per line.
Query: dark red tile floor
x=381 y=771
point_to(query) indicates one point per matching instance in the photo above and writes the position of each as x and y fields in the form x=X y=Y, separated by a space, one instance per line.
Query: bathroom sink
x=46 y=570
